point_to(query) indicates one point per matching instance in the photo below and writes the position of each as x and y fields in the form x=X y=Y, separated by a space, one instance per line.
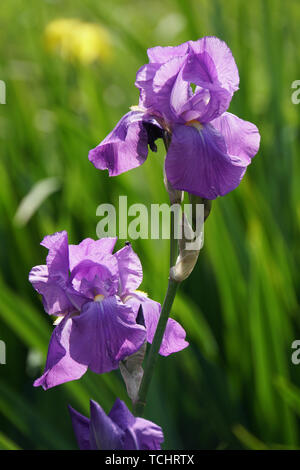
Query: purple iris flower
x=119 y=430
x=94 y=294
x=185 y=92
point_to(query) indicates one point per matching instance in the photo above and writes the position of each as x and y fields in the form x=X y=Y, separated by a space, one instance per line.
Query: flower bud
x=131 y=367
x=132 y=372
x=189 y=249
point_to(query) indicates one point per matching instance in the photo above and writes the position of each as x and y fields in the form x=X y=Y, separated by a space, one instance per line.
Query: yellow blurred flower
x=78 y=40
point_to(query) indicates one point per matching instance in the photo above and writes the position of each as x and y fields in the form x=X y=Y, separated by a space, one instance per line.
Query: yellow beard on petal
x=194 y=123
x=98 y=298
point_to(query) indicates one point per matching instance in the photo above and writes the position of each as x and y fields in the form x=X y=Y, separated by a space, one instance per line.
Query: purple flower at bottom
x=119 y=430
x=185 y=91
x=93 y=291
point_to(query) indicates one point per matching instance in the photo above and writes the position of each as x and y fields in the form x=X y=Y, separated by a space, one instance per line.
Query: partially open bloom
x=93 y=293
x=119 y=430
x=185 y=91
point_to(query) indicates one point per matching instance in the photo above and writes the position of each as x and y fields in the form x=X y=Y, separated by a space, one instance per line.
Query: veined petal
x=198 y=162
x=91 y=279
x=174 y=336
x=126 y=147
x=105 y=333
x=60 y=366
x=164 y=81
x=91 y=249
x=52 y=281
x=54 y=292
x=143 y=435
x=181 y=93
x=144 y=81
x=130 y=270
x=200 y=69
x=205 y=104
x=242 y=138
x=81 y=427
x=166 y=75
x=160 y=54
x=58 y=256
x=215 y=57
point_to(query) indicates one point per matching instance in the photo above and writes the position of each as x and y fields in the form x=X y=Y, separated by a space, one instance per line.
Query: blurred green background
x=235 y=386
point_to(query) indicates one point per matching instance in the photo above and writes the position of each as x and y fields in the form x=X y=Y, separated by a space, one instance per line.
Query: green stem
x=162 y=323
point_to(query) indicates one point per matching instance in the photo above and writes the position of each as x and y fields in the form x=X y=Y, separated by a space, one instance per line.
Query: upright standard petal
x=91 y=279
x=160 y=54
x=211 y=61
x=52 y=281
x=130 y=270
x=125 y=148
x=167 y=91
x=58 y=255
x=60 y=366
x=165 y=83
x=91 y=249
x=103 y=334
x=198 y=161
x=144 y=82
x=205 y=104
x=53 y=291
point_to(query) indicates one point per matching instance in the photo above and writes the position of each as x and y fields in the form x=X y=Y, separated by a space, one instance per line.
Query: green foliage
x=235 y=386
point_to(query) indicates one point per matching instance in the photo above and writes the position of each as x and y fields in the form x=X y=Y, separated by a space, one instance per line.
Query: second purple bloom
x=93 y=292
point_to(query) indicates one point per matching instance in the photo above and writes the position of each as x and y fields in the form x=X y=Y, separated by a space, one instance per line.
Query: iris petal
x=160 y=54
x=242 y=138
x=81 y=427
x=218 y=61
x=174 y=336
x=130 y=270
x=125 y=148
x=52 y=281
x=60 y=366
x=143 y=435
x=104 y=433
x=91 y=249
x=198 y=161
x=103 y=334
